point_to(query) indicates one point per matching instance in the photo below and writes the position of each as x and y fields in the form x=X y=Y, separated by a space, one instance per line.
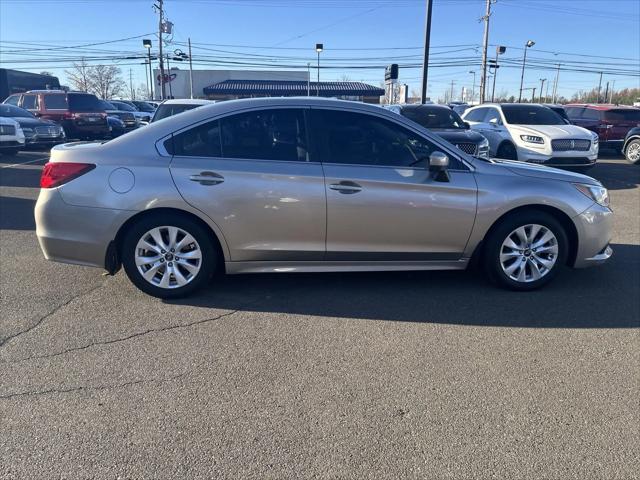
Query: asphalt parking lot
x=389 y=375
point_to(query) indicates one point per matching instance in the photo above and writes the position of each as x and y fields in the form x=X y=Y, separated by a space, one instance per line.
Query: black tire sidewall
x=135 y=232
x=495 y=238
x=510 y=149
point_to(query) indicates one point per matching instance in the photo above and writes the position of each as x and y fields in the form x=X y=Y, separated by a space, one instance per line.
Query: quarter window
x=201 y=141
x=29 y=102
x=354 y=138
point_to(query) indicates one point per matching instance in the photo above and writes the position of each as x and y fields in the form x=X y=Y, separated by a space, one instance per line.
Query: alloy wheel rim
x=529 y=253
x=168 y=257
x=633 y=152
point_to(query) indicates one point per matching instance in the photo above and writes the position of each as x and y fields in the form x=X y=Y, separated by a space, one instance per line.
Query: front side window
x=476 y=115
x=590 y=114
x=359 y=139
x=55 y=102
x=531 y=115
x=29 y=102
x=277 y=134
x=12 y=100
x=493 y=116
x=574 y=112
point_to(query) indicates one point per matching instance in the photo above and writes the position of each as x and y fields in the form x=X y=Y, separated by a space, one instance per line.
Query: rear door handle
x=346 y=187
x=207 y=178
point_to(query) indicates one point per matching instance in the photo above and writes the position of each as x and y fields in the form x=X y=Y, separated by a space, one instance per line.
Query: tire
x=166 y=277
x=504 y=264
x=507 y=151
x=632 y=152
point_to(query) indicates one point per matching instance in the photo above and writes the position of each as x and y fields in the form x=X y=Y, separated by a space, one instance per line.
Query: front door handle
x=346 y=187
x=207 y=178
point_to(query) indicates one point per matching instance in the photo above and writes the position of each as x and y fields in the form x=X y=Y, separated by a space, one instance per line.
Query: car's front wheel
x=525 y=251
x=632 y=152
x=168 y=256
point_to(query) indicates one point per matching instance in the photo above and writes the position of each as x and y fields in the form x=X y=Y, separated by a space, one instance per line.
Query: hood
x=26 y=122
x=8 y=121
x=554 y=131
x=457 y=135
x=540 y=171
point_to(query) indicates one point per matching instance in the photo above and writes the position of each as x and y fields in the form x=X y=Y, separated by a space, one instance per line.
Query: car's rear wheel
x=507 y=151
x=168 y=256
x=526 y=251
x=632 y=152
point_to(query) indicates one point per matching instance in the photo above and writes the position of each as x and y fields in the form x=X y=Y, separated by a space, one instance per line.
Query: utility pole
x=308 y=79
x=160 y=8
x=473 y=89
x=546 y=93
x=606 y=92
x=133 y=95
x=529 y=44
x=485 y=45
x=169 y=77
x=451 y=95
x=190 y=71
x=542 y=80
x=533 y=95
x=555 y=84
x=425 y=59
x=613 y=85
x=599 y=87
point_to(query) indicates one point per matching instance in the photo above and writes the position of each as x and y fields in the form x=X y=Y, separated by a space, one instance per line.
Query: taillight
x=59 y=173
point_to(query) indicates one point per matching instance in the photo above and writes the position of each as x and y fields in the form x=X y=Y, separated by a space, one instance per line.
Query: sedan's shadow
x=576 y=299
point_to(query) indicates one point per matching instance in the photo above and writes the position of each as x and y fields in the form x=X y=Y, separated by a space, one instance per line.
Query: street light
x=473 y=89
x=146 y=43
x=499 y=51
x=529 y=44
x=319 y=48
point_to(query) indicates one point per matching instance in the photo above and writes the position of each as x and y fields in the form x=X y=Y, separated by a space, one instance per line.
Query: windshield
x=531 y=115
x=167 y=110
x=144 y=107
x=124 y=107
x=14 y=112
x=622 y=115
x=434 y=117
x=106 y=105
x=83 y=102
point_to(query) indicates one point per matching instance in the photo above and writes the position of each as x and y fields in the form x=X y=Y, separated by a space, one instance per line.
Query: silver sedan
x=309 y=185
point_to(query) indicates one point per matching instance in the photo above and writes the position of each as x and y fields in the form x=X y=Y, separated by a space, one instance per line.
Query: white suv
x=11 y=136
x=533 y=133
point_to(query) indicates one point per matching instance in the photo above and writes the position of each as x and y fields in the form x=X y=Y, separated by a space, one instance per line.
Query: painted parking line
x=25 y=163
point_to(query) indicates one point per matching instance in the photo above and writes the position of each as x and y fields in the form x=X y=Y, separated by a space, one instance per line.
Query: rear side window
x=590 y=114
x=476 y=115
x=622 y=115
x=574 y=112
x=277 y=134
x=83 y=102
x=201 y=141
x=29 y=102
x=55 y=102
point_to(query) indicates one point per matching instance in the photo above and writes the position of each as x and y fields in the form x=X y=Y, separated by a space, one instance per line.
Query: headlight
x=532 y=139
x=595 y=138
x=597 y=193
x=483 y=149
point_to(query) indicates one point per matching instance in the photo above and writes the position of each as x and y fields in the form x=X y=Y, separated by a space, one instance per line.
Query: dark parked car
x=631 y=147
x=143 y=106
x=37 y=133
x=79 y=113
x=116 y=127
x=610 y=122
x=446 y=123
x=127 y=118
x=127 y=106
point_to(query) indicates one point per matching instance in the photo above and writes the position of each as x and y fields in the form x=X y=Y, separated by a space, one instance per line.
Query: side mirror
x=438 y=165
x=466 y=125
x=494 y=122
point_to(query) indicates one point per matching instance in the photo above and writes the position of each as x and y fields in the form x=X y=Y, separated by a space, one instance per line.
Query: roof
x=290 y=88
x=187 y=101
x=601 y=106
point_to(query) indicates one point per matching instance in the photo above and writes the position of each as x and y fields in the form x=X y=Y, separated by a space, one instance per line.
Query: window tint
x=623 y=115
x=29 y=101
x=476 y=115
x=55 y=102
x=354 y=138
x=590 y=114
x=433 y=116
x=493 y=114
x=574 y=112
x=201 y=141
x=277 y=134
x=12 y=100
x=84 y=102
x=125 y=107
x=531 y=115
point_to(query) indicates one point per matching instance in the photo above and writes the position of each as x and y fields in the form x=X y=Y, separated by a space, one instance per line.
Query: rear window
x=165 y=111
x=55 y=102
x=531 y=115
x=622 y=115
x=84 y=103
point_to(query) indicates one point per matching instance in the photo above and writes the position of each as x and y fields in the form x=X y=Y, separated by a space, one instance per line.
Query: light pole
x=319 y=48
x=308 y=79
x=542 y=80
x=425 y=58
x=529 y=44
x=473 y=88
x=499 y=51
x=147 y=44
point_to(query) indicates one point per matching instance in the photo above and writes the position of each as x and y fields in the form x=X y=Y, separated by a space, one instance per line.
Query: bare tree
x=79 y=77
x=105 y=81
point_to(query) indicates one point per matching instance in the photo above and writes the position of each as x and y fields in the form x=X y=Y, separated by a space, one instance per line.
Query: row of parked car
x=568 y=136
x=43 y=118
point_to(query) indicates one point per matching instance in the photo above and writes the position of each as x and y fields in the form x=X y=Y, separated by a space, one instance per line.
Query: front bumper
x=595 y=227
x=72 y=234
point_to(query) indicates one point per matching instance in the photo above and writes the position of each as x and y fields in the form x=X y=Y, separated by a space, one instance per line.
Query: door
x=382 y=202
x=252 y=175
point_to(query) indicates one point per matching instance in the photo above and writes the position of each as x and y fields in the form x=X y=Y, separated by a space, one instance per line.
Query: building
x=232 y=84
x=15 y=81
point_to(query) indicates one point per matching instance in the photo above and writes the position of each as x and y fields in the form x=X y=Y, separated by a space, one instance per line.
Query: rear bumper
x=72 y=234
x=595 y=227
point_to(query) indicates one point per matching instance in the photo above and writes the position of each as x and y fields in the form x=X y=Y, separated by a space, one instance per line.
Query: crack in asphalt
x=39 y=322
x=132 y=336
x=90 y=388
